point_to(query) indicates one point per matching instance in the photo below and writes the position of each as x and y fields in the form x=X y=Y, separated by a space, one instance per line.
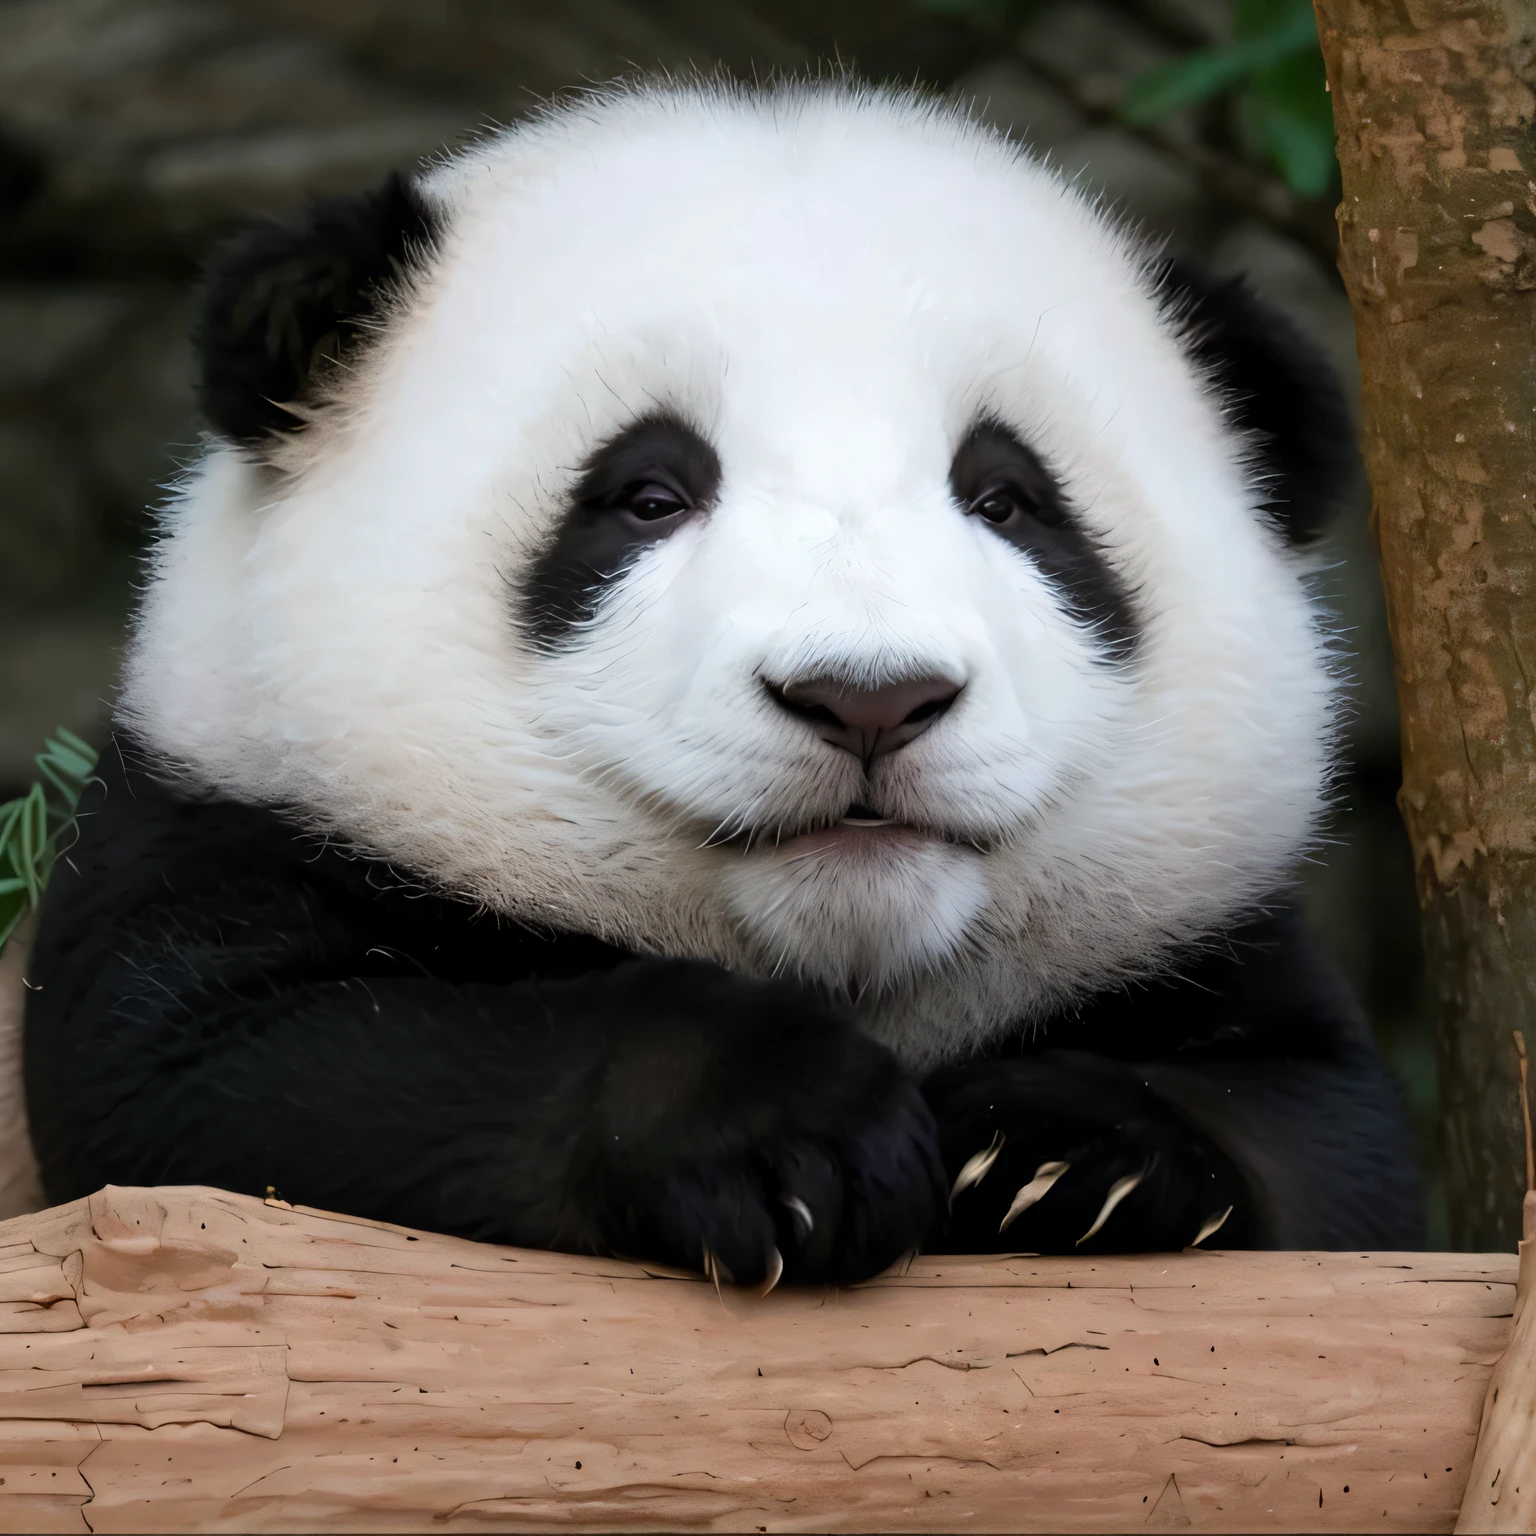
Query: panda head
x=789 y=528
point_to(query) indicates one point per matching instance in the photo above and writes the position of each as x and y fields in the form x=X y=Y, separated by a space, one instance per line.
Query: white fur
x=830 y=284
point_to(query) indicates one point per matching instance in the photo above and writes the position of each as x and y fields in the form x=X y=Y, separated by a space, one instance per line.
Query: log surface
x=180 y=1359
x=1501 y=1491
x=21 y=1189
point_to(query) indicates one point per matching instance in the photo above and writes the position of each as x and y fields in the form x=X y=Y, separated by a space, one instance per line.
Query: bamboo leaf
x=10 y=813
x=1291 y=119
x=1207 y=72
x=66 y=763
x=33 y=826
x=31 y=843
x=1183 y=83
x=77 y=743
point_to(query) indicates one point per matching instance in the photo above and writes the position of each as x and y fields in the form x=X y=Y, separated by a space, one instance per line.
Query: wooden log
x=21 y=1188
x=186 y=1359
x=1501 y=1490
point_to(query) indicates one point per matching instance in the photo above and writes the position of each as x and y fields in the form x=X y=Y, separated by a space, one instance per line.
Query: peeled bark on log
x=1435 y=102
x=181 y=1359
x=1501 y=1491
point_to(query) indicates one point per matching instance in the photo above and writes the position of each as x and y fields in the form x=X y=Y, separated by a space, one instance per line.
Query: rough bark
x=1434 y=105
x=179 y=1359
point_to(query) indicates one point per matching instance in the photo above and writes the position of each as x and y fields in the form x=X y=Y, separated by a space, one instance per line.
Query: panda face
x=788 y=531
x=849 y=672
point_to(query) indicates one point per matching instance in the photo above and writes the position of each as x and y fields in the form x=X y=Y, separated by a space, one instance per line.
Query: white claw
x=714 y=1269
x=1213 y=1225
x=977 y=1167
x=802 y=1214
x=1036 y=1190
x=1117 y=1192
x=775 y=1272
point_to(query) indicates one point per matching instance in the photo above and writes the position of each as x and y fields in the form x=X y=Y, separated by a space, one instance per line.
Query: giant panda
x=738 y=685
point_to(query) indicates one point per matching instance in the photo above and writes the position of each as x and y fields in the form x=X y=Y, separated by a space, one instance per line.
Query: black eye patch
x=635 y=490
x=1006 y=486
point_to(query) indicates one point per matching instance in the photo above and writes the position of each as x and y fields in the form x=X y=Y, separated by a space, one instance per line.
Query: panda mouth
x=851 y=829
x=862 y=816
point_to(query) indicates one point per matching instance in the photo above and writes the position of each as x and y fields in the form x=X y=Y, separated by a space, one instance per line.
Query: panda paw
x=1070 y=1153
x=749 y=1131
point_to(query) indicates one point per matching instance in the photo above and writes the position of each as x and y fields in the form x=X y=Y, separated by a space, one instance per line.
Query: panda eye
x=1012 y=509
x=998 y=505
x=649 y=501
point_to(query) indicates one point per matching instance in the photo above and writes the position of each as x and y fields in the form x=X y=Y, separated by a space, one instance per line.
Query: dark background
x=133 y=133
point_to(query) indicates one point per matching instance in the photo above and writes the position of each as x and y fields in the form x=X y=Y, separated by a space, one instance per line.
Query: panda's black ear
x=1281 y=390
x=284 y=302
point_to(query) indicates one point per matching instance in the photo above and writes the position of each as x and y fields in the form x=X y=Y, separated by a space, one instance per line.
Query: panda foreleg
x=664 y=1111
x=1099 y=1155
x=1086 y=1160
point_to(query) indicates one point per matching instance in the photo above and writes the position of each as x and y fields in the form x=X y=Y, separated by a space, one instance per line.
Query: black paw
x=742 y=1126
x=1069 y=1153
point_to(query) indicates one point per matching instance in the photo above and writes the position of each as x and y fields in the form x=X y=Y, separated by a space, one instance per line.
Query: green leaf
x=66 y=769
x=1254 y=18
x=1185 y=82
x=83 y=747
x=33 y=826
x=10 y=812
x=1207 y=72
x=33 y=861
x=66 y=763
x=1290 y=118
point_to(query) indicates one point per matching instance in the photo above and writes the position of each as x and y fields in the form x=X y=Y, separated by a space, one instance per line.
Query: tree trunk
x=1434 y=105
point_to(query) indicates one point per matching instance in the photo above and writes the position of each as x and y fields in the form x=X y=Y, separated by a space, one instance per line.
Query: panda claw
x=805 y=1223
x=977 y=1167
x=1036 y=1190
x=1213 y=1224
x=1117 y=1192
x=716 y=1271
x=775 y=1272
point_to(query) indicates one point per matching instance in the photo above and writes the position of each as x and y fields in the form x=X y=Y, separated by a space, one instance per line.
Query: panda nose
x=868 y=722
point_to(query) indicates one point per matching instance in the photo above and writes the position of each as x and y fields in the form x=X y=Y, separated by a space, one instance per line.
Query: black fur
x=600 y=533
x=284 y=303
x=991 y=459
x=1249 y=1079
x=1281 y=389
x=603 y=528
x=222 y=1001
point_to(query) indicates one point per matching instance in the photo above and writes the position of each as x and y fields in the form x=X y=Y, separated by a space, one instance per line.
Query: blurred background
x=134 y=133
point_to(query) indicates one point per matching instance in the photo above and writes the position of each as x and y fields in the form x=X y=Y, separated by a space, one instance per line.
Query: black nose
x=868 y=722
